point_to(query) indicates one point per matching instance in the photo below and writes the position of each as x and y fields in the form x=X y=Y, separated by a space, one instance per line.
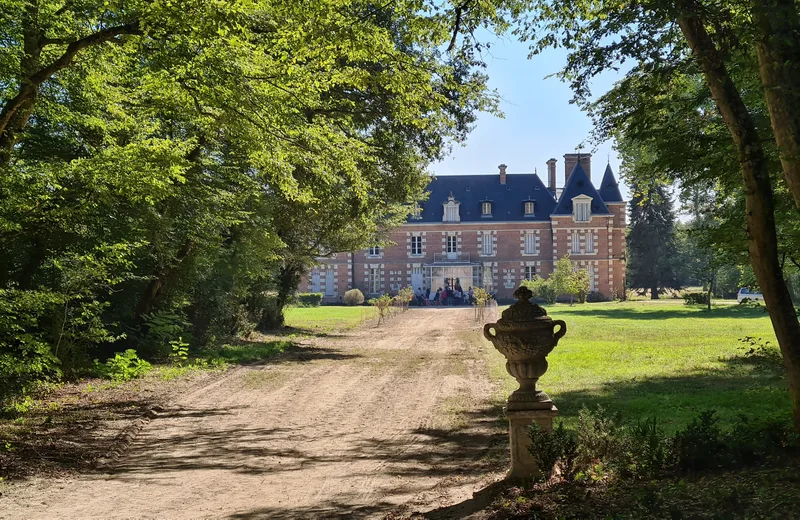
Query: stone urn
x=525 y=335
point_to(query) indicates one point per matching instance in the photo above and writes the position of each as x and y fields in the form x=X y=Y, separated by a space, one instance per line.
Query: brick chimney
x=571 y=159
x=551 y=174
x=502 y=173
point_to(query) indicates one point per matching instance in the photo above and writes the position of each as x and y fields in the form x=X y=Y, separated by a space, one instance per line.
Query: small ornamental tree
x=383 y=304
x=482 y=298
x=404 y=297
x=353 y=297
x=541 y=288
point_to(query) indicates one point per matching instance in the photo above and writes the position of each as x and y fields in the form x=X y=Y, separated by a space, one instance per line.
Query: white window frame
x=530 y=243
x=451 y=244
x=416 y=212
x=487 y=245
x=589 y=241
x=416 y=246
x=486 y=209
x=375 y=280
x=575 y=249
x=530 y=205
x=530 y=272
x=590 y=270
x=582 y=208
x=451 y=210
x=374 y=251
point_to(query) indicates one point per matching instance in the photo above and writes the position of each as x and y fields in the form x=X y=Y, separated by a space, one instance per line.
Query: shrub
x=353 y=297
x=598 y=434
x=123 y=366
x=695 y=298
x=595 y=296
x=541 y=288
x=404 y=297
x=644 y=451
x=699 y=446
x=549 y=448
x=382 y=303
x=309 y=299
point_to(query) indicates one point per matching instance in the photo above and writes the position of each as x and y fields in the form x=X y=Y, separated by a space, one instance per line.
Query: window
x=576 y=243
x=530 y=272
x=530 y=243
x=590 y=270
x=416 y=212
x=374 y=251
x=374 y=280
x=416 y=246
x=582 y=211
x=452 y=243
x=487 y=245
x=486 y=209
x=451 y=210
x=529 y=207
x=589 y=240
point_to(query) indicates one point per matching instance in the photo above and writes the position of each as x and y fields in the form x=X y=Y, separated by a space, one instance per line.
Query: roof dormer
x=582 y=208
x=452 y=210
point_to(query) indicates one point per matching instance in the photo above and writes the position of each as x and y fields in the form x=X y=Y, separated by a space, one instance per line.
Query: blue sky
x=539 y=123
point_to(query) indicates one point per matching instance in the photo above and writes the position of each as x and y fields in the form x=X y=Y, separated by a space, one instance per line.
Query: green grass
x=660 y=359
x=328 y=318
x=251 y=351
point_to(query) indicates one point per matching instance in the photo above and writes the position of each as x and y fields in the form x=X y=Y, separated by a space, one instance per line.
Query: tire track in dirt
x=376 y=420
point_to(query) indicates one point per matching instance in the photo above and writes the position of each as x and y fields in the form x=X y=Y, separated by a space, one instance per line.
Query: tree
x=651 y=243
x=711 y=42
x=192 y=159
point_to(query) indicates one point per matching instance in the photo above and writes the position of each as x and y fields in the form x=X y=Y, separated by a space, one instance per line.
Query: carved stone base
x=523 y=465
x=536 y=400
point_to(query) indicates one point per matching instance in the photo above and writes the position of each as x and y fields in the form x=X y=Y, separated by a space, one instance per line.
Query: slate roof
x=609 y=187
x=508 y=200
x=579 y=183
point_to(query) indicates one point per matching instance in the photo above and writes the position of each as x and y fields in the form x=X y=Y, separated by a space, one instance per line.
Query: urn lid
x=523 y=310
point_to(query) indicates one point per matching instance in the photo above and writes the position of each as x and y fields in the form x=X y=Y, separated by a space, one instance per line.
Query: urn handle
x=486 y=329
x=561 y=331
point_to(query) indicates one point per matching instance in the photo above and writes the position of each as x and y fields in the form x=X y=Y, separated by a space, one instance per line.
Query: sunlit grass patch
x=328 y=318
x=659 y=359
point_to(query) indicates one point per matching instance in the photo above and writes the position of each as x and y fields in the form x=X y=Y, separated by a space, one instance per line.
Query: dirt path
x=396 y=419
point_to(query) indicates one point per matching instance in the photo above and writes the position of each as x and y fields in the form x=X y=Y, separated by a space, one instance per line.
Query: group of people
x=447 y=296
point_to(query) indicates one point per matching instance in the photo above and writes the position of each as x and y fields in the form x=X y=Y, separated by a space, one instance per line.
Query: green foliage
x=548 y=448
x=695 y=298
x=124 y=366
x=383 y=303
x=353 y=297
x=651 y=241
x=606 y=443
x=178 y=183
x=180 y=352
x=541 y=288
x=404 y=297
x=309 y=299
x=596 y=296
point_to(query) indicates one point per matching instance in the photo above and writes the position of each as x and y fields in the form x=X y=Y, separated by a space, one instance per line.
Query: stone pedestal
x=523 y=466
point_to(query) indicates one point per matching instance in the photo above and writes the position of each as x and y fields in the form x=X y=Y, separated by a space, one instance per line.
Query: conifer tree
x=651 y=240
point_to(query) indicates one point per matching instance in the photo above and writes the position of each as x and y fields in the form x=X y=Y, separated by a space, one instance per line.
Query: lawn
x=660 y=359
x=328 y=318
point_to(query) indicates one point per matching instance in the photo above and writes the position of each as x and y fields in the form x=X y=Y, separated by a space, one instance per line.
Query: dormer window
x=416 y=212
x=451 y=210
x=529 y=208
x=582 y=208
x=486 y=209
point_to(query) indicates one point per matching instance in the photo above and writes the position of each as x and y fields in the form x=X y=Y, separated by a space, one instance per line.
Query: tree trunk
x=778 y=50
x=288 y=282
x=760 y=211
x=155 y=289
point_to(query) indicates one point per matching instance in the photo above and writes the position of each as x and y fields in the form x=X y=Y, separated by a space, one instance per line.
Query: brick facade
x=497 y=255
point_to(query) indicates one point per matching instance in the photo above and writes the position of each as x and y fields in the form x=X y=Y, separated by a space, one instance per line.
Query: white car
x=744 y=292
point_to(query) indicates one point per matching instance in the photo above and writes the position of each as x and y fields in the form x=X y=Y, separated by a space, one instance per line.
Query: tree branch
x=30 y=86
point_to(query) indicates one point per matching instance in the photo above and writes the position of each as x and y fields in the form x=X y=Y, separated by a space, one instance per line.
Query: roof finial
x=535 y=171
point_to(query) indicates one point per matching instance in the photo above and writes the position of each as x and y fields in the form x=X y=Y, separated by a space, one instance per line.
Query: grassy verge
x=660 y=359
x=328 y=318
x=669 y=361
